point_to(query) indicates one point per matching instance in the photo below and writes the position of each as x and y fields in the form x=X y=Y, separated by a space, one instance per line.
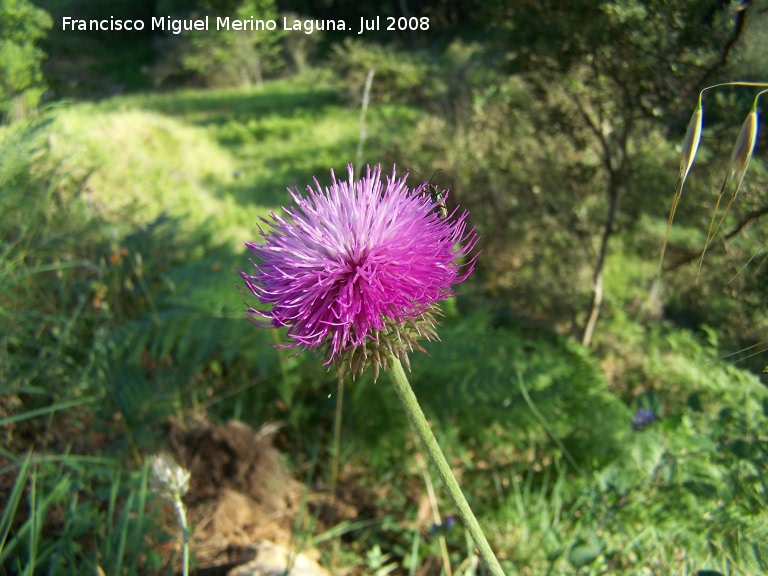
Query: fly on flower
x=357 y=269
x=438 y=197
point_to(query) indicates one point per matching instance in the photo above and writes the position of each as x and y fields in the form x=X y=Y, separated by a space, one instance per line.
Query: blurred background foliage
x=22 y=26
x=134 y=165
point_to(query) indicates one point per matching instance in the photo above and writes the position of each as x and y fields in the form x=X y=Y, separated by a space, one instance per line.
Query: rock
x=274 y=560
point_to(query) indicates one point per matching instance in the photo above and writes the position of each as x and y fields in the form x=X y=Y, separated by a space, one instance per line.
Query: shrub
x=22 y=26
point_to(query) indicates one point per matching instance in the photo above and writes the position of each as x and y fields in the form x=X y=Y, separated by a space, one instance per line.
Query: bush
x=401 y=77
x=22 y=26
x=218 y=58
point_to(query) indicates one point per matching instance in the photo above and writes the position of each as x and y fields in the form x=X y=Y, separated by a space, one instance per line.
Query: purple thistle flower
x=643 y=418
x=445 y=526
x=358 y=268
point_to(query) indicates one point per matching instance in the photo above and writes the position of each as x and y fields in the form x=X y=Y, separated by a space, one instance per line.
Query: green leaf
x=585 y=551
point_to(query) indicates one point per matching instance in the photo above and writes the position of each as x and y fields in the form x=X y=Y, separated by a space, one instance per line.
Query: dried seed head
x=745 y=146
x=690 y=147
x=168 y=479
x=691 y=144
x=737 y=168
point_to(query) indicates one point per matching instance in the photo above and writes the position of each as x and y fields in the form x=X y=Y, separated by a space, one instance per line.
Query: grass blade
x=748 y=262
x=34 y=523
x=59 y=406
x=140 y=518
x=10 y=507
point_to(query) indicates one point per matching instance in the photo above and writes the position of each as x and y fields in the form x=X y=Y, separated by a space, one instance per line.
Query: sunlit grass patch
x=221 y=157
x=146 y=165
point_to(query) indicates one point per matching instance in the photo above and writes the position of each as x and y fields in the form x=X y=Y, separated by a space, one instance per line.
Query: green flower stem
x=179 y=505
x=419 y=422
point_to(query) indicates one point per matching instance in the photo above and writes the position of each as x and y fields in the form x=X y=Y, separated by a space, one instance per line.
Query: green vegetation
x=226 y=57
x=22 y=25
x=121 y=226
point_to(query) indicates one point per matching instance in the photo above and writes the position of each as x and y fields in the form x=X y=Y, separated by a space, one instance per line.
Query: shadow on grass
x=213 y=107
x=270 y=186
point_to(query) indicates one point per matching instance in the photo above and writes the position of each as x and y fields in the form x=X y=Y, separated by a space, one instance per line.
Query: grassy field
x=123 y=223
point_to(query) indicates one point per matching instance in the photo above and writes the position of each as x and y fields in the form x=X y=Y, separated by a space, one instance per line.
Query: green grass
x=143 y=164
x=217 y=159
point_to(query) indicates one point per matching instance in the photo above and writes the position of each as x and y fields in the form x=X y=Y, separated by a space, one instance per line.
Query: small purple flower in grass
x=357 y=269
x=643 y=418
x=445 y=526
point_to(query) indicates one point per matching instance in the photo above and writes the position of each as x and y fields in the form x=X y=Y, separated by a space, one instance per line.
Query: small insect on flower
x=437 y=196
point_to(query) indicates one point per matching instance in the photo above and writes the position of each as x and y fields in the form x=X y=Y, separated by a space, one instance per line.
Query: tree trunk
x=597 y=275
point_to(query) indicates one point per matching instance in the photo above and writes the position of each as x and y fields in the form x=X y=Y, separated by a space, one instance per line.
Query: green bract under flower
x=356 y=269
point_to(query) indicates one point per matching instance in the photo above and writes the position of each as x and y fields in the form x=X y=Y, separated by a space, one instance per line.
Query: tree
x=22 y=26
x=609 y=71
x=224 y=57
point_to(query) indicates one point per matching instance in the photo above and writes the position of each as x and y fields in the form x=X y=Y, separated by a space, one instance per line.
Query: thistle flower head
x=357 y=269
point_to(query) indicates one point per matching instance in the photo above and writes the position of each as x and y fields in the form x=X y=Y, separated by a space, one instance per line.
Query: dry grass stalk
x=737 y=168
x=690 y=147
